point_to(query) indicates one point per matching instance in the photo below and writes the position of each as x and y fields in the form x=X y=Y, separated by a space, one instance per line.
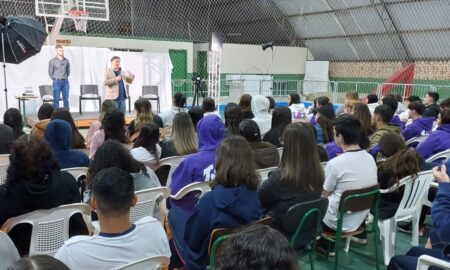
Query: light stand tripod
x=197 y=91
x=4 y=66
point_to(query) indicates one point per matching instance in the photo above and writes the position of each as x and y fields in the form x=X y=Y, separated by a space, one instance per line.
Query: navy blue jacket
x=59 y=135
x=220 y=208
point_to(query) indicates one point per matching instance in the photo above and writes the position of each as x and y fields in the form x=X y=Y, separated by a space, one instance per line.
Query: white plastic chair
x=151 y=263
x=280 y=151
x=264 y=173
x=8 y=251
x=3 y=173
x=417 y=140
x=202 y=187
x=77 y=172
x=50 y=227
x=425 y=261
x=445 y=155
x=4 y=159
x=172 y=162
x=415 y=191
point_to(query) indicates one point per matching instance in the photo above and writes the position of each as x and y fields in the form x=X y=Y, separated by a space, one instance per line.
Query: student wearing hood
x=58 y=134
x=421 y=124
x=438 y=140
x=198 y=167
x=260 y=108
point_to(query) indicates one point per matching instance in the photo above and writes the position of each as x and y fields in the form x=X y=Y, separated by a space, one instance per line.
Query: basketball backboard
x=97 y=10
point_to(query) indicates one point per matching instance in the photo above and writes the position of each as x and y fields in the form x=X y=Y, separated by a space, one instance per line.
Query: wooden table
x=24 y=113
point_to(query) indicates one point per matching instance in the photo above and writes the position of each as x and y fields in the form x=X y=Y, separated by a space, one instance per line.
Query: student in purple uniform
x=198 y=167
x=420 y=125
x=392 y=102
x=438 y=140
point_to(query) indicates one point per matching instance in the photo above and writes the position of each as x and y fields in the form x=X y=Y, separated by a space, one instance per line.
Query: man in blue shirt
x=113 y=79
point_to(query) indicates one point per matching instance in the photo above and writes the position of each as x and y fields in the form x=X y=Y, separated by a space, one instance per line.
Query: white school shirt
x=146 y=239
x=350 y=170
x=143 y=155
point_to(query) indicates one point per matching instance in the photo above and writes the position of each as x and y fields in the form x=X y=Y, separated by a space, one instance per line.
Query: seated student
x=146 y=148
x=35 y=183
x=209 y=107
x=144 y=115
x=382 y=116
x=6 y=139
x=245 y=104
x=119 y=242
x=312 y=110
x=404 y=116
x=260 y=109
x=272 y=103
x=77 y=138
x=113 y=128
x=233 y=118
x=58 y=134
x=296 y=106
x=430 y=101
x=196 y=113
x=265 y=154
x=44 y=114
x=440 y=216
x=324 y=127
x=400 y=107
x=198 y=167
x=353 y=169
x=107 y=105
x=350 y=97
x=178 y=105
x=300 y=177
x=254 y=248
x=232 y=203
x=37 y=262
x=445 y=104
x=281 y=117
x=13 y=118
x=392 y=102
x=371 y=100
x=420 y=125
x=183 y=140
x=438 y=140
x=113 y=154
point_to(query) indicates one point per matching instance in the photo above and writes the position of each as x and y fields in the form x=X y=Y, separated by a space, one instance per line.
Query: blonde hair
x=183 y=134
x=144 y=114
x=352 y=96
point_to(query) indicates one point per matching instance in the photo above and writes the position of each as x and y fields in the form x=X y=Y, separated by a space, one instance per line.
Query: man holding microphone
x=113 y=80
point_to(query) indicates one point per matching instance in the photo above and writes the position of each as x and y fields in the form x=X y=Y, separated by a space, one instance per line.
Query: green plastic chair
x=355 y=201
x=303 y=221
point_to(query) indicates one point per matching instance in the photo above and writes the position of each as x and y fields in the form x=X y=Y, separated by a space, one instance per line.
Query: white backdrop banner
x=86 y=67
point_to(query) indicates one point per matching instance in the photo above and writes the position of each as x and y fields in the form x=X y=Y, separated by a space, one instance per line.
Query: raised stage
x=83 y=120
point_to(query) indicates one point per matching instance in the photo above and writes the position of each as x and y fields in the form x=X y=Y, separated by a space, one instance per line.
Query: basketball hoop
x=79 y=18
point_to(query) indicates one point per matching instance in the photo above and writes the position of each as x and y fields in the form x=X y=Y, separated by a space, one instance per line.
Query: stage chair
x=150 y=263
x=50 y=227
x=414 y=194
x=354 y=201
x=303 y=222
x=151 y=92
x=89 y=92
x=264 y=173
x=46 y=93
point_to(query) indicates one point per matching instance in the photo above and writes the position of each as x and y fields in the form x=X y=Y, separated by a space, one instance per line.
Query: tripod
x=4 y=66
x=197 y=92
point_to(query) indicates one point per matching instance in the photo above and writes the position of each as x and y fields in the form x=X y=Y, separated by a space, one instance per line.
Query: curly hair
x=31 y=160
x=113 y=125
x=232 y=117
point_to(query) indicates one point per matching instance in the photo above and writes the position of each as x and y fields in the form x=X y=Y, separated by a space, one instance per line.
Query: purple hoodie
x=198 y=167
x=397 y=122
x=437 y=141
x=333 y=150
x=418 y=127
